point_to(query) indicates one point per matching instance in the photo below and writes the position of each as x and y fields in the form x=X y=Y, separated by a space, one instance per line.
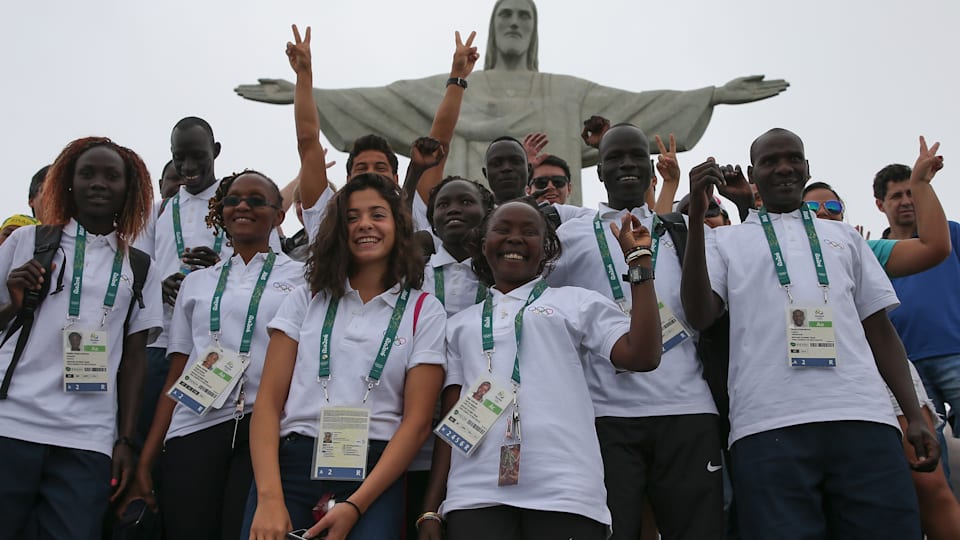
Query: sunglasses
x=252 y=202
x=541 y=182
x=834 y=207
x=713 y=211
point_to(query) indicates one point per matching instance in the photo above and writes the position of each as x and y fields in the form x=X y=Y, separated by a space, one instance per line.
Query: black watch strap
x=462 y=83
x=638 y=274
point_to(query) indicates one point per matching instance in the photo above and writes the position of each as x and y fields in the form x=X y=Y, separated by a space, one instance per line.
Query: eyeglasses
x=541 y=182
x=834 y=206
x=252 y=202
x=713 y=211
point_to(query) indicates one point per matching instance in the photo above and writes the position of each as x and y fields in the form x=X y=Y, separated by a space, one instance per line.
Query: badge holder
x=474 y=414
x=340 y=450
x=85 y=360
x=811 y=339
x=209 y=381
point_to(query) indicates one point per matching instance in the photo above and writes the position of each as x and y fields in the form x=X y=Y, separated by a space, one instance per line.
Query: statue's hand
x=298 y=52
x=747 y=89
x=465 y=56
x=277 y=91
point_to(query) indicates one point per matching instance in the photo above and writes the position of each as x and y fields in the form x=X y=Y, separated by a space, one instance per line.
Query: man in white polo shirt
x=816 y=450
x=658 y=431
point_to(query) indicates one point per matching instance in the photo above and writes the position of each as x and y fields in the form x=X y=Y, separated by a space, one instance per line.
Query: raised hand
x=748 y=89
x=465 y=56
x=863 y=232
x=275 y=91
x=928 y=162
x=426 y=153
x=631 y=234
x=533 y=144
x=298 y=52
x=328 y=164
x=667 y=164
x=736 y=187
x=593 y=130
x=703 y=178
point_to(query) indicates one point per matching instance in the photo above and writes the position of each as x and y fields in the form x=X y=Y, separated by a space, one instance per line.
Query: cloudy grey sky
x=867 y=76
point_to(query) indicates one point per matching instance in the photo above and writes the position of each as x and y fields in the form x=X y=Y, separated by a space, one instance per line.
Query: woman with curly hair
x=352 y=374
x=69 y=417
x=218 y=339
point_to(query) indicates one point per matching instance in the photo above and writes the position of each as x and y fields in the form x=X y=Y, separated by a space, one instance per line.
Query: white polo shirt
x=460 y=283
x=190 y=326
x=561 y=469
x=677 y=385
x=570 y=212
x=765 y=392
x=357 y=334
x=37 y=409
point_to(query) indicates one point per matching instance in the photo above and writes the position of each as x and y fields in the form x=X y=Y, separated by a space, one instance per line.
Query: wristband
x=354 y=505
x=636 y=253
x=428 y=516
x=462 y=83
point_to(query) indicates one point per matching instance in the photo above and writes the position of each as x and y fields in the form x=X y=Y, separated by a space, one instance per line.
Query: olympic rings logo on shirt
x=282 y=287
x=540 y=310
x=399 y=341
x=833 y=243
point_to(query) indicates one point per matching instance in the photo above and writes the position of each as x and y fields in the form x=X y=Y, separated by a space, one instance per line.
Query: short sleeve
x=568 y=212
x=882 y=248
x=430 y=333
x=454 y=374
x=150 y=316
x=146 y=240
x=873 y=289
x=180 y=335
x=289 y=318
x=716 y=265
x=602 y=322
x=314 y=215
x=420 y=222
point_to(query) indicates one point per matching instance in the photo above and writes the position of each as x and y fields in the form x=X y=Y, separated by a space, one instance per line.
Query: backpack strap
x=416 y=311
x=46 y=244
x=676 y=227
x=140 y=264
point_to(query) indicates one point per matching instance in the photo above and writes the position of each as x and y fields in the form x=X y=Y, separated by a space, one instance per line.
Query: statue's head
x=513 y=32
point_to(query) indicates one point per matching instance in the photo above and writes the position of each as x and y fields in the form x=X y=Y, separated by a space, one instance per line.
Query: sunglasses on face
x=541 y=182
x=713 y=211
x=834 y=206
x=252 y=202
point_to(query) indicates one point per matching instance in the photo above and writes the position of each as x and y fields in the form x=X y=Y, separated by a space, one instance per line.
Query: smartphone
x=298 y=534
x=133 y=515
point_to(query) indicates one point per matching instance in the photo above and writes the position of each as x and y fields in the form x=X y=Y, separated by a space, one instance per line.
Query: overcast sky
x=866 y=76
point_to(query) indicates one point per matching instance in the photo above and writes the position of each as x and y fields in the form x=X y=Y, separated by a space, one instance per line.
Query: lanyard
x=373 y=379
x=76 y=284
x=438 y=287
x=178 y=230
x=780 y=264
x=608 y=265
x=254 y=306
x=486 y=328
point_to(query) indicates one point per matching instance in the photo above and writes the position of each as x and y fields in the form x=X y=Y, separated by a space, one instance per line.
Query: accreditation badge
x=811 y=340
x=471 y=418
x=207 y=383
x=85 y=361
x=672 y=330
x=340 y=452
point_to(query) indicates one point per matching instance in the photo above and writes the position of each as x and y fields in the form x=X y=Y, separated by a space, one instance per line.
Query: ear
x=600 y=172
x=278 y=220
x=528 y=190
x=808 y=169
x=879 y=204
x=484 y=170
x=529 y=173
x=216 y=150
x=750 y=173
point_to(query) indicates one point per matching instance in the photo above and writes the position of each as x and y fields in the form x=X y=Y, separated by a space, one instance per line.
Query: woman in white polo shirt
x=537 y=473
x=355 y=361
x=68 y=417
x=218 y=339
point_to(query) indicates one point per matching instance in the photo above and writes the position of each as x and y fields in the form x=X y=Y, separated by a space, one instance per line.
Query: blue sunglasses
x=834 y=207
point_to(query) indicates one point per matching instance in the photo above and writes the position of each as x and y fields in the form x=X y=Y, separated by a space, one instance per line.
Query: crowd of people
x=441 y=357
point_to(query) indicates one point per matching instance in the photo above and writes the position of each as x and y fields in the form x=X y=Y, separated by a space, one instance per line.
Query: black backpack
x=46 y=243
x=713 y=347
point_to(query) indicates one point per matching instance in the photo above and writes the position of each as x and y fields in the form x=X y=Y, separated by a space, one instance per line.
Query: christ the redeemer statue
x=512 y=97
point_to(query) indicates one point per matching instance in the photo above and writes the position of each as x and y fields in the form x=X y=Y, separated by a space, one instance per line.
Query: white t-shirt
x=460 y=283
x=37 y=409
x=190 y=327
x=357 y=334
x=677 y=385
x=570 y=212
x=158 y=239
x=561 y=469
x=765 y=392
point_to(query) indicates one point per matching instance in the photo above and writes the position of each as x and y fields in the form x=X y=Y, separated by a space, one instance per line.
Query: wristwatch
x=462 y=83
x=638 y=274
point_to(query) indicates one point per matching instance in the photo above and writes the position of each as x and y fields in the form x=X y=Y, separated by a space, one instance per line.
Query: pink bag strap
x=416 y=311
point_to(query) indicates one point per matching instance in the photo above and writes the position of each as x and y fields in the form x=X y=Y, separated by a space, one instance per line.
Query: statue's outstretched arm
x=748 y=89
x=276 y=91
x=313 y=171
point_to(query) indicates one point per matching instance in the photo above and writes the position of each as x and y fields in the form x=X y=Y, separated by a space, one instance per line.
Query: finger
x=634 y=222
x=752 y=78
x=470 y=38
x=459 y=42
x=296 y=34
x=673 y=145
x=306 y=38
x=923 y=145
x=660 y=146
x=614 y=229
x=935 y=148
x=330 y=164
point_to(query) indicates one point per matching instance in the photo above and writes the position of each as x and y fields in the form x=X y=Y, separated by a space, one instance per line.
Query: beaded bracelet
x=428 y=516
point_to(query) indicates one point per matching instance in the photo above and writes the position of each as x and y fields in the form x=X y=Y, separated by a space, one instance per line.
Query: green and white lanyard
x=373 y=379
x=438 y=287
x=780 y=264
x=248 y=324
x=76 y=284
x=608 y=266
x=486 y=334
x=178 y=230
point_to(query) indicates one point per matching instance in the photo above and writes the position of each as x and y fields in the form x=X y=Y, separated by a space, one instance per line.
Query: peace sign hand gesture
x=928 y=162
x=464 y=57
x=298 y=52
x=667 y=164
